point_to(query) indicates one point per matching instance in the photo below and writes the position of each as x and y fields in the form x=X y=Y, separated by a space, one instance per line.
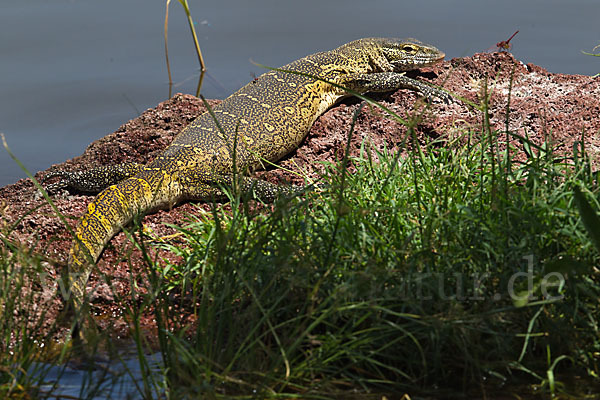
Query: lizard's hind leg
x=93 y=180
x=250 y=188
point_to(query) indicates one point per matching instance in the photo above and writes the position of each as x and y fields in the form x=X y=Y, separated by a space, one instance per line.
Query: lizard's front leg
x=387 y=81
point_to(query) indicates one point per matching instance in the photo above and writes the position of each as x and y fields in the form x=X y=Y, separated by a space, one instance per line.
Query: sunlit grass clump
x=433 y=273
x=454 y=269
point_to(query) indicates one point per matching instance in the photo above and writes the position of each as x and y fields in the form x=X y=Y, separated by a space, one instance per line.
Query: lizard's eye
x=409 y=49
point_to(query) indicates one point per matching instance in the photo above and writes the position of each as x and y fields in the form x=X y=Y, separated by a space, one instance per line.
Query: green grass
x=454 y=270
x=25 y=335
x=428 y=275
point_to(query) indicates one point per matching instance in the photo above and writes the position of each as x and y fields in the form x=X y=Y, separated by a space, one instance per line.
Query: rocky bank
x=563 y=109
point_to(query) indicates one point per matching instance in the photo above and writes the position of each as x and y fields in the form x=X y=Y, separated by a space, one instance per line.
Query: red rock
x=558 y=107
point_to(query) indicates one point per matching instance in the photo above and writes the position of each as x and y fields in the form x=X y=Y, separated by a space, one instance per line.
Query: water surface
x=115 y=379
x=72 y=71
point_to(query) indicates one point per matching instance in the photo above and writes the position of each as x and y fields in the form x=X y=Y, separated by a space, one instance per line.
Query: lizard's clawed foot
x=65 y=181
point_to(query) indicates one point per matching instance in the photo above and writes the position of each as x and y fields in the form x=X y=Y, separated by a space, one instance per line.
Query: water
x=119 y=379
x=72 y=71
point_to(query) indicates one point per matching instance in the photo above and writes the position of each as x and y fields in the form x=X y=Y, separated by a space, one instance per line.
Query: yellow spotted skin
x=266 y=119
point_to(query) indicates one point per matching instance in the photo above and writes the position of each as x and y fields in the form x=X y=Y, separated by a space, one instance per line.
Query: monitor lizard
x=264 y=120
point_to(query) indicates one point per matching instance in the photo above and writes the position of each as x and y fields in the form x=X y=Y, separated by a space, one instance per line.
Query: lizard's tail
x=112 y=209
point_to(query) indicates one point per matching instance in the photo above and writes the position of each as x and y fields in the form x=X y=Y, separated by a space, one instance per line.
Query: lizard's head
x=388 y=54
x=407 y=54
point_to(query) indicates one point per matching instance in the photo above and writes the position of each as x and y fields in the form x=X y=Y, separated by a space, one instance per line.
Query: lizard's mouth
x=418 y=61
x=427 y=60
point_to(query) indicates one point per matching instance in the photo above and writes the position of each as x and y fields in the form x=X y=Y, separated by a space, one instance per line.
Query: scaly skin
x=266 y=119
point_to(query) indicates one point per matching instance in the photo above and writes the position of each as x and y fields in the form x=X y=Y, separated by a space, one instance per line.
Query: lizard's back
x=266 y=119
